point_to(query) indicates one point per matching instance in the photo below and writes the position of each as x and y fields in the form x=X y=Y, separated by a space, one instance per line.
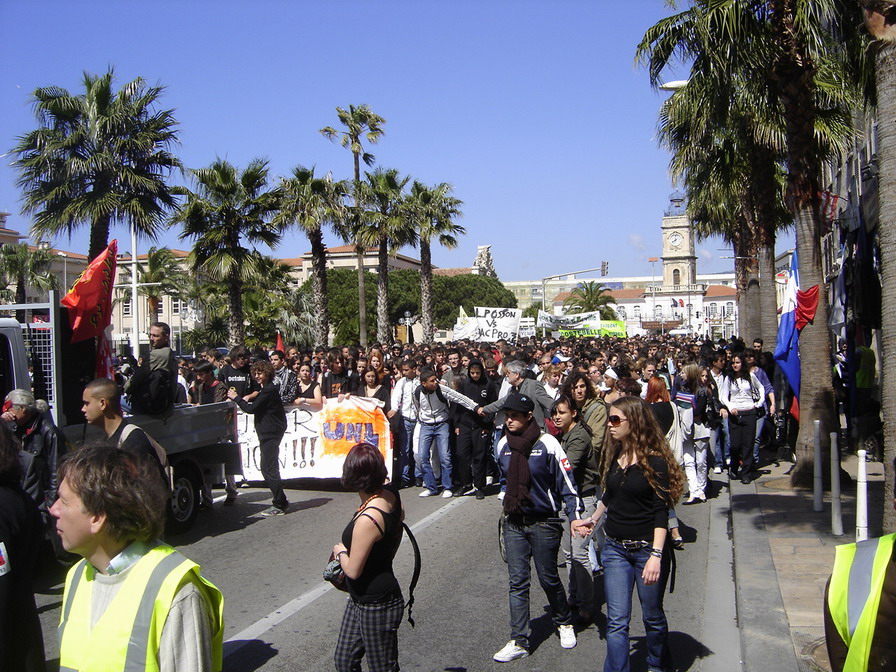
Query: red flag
x=806 y=305
x=280 y=343
x=90 y=298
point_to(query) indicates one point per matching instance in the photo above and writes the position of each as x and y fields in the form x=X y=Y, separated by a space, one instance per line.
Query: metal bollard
x=862 y=498
x=818 y=504
x=836 y=504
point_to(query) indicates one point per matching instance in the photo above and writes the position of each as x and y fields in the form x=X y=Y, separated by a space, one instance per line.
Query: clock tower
x=679 y=257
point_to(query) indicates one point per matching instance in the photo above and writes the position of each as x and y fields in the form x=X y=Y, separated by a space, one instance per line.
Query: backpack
x=419 y=390
x=160 y=453
x=155 y=394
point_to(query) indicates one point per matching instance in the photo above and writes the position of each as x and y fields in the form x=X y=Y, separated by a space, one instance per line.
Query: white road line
x=276 y=617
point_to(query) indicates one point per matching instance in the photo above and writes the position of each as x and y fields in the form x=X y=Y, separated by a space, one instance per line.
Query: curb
x=766 y=643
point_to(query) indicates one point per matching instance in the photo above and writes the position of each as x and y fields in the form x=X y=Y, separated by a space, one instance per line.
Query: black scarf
x=521 y=444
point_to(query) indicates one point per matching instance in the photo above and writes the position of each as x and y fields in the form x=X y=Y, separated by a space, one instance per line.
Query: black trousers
x=270 y=469
x=472 y=446
x=743 y=434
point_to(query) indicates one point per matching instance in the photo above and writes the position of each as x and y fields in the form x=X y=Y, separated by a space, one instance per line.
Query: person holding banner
x=270 y=425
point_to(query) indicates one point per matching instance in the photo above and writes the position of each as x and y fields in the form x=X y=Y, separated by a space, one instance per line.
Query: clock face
x=675 y=239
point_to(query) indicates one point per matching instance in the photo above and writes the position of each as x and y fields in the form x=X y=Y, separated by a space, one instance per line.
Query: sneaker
x=501 y=496
x=427 y=493
x=230 y=500
x=717 y=469
x=511 y=651
x=273 y=511
x=567 y=637
x=447 y=493
x=418 y=482
x=489 y=480
x=480 y=494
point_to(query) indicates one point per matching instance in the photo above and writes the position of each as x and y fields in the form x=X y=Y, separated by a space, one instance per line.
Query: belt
x=528 y=519
x=631 y=544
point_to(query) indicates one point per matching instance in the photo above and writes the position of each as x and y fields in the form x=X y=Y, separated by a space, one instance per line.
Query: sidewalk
x=783 y=556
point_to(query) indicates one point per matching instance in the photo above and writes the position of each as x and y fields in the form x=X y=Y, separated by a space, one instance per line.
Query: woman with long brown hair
x=642 y=480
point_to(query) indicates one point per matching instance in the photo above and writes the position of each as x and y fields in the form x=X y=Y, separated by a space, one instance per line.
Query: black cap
x=519 y=402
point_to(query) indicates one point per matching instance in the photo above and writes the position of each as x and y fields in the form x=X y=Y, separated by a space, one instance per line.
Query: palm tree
x=432 y=211
x=98 y=158
x=881 y=22
x=807 y=55
x=591 y=297
x=386 y=228
x=361 y=123
x=25 y=266
x=161 y=275
x=310 y=203
x=230 y=209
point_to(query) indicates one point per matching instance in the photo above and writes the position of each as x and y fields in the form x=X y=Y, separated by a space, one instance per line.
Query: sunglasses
x=616 y=420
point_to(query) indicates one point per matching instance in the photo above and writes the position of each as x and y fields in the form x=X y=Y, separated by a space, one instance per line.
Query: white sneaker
x=446 y=494
x=717 y=470
x=511 y=651
x=501 y=496
x=427 y=493
x=567 y=637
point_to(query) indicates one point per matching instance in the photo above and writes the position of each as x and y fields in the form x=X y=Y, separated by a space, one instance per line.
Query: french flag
x=787 y=351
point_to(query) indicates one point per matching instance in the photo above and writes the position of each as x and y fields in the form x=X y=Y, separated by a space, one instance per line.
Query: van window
x=7 y=379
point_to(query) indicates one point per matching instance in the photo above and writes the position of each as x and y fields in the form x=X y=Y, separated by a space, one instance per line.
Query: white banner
x=315 y=443
x=490 y=324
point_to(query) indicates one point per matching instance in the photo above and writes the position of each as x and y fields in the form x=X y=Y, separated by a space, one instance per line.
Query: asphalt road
x=280 y=615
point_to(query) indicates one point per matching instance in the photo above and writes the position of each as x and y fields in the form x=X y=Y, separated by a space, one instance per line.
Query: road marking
x=276 y=617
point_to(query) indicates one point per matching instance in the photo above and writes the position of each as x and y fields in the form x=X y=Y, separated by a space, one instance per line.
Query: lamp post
x=64 y=269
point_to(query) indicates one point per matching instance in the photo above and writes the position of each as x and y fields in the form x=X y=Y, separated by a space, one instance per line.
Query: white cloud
x=636 y=240
x=705 y=255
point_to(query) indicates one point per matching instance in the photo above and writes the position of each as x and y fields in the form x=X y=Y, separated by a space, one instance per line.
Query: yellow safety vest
x=854 y=595
x=126 y=638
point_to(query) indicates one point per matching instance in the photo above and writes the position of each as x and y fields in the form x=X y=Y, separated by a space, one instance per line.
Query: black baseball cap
x=519 y=402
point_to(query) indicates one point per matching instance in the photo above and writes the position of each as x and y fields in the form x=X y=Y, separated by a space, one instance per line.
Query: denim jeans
x=723 y=444
x=760 y=425
x=541 y=542
x=622 y=571
x=438 y=433
x=578 y=562
x=406 y=450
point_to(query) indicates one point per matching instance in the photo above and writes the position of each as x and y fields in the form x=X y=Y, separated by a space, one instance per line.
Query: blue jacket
x=550 y=478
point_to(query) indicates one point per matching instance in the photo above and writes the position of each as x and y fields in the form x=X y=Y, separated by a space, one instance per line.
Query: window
x=126 y=308
x=676 y=277
x=729 y=309
x=178 y=306
x=620 y=312
x=637 y=312
x=658 y=311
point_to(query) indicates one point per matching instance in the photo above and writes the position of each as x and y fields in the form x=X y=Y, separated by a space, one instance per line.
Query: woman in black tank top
x=369 y=543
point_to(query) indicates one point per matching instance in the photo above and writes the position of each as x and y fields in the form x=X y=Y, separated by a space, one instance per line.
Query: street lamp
x=602 y=268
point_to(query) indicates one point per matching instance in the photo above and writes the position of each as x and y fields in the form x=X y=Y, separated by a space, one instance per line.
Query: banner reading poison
x=316 y=443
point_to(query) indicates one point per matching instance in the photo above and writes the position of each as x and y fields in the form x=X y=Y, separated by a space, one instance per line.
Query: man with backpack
x=152 y=389
x=102 y=409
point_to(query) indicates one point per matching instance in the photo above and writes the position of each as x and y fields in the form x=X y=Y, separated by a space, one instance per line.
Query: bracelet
x=340 y=553
x=656 y=552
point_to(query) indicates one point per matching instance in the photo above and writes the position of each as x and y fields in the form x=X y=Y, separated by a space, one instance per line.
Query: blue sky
x=534 y=111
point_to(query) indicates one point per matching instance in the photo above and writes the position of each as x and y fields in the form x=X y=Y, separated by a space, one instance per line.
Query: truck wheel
x=184 y=503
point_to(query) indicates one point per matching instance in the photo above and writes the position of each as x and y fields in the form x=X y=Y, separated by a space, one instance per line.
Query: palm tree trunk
x=21 y=298
x=886 y=110
x=362 y=298
x=426 y=291
x=99 y=237
x=235 y=303
x=383 y=328
x=795 y=73
x=152 y=303
x=768 y=297
x=319 y=307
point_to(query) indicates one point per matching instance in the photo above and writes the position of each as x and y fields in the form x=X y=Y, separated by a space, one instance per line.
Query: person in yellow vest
x=132 y=603
x=860 y=606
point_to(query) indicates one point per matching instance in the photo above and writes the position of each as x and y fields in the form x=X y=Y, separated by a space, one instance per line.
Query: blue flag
x=787 y=350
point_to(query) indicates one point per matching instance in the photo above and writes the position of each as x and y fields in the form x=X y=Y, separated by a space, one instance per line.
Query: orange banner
x=350 y=421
